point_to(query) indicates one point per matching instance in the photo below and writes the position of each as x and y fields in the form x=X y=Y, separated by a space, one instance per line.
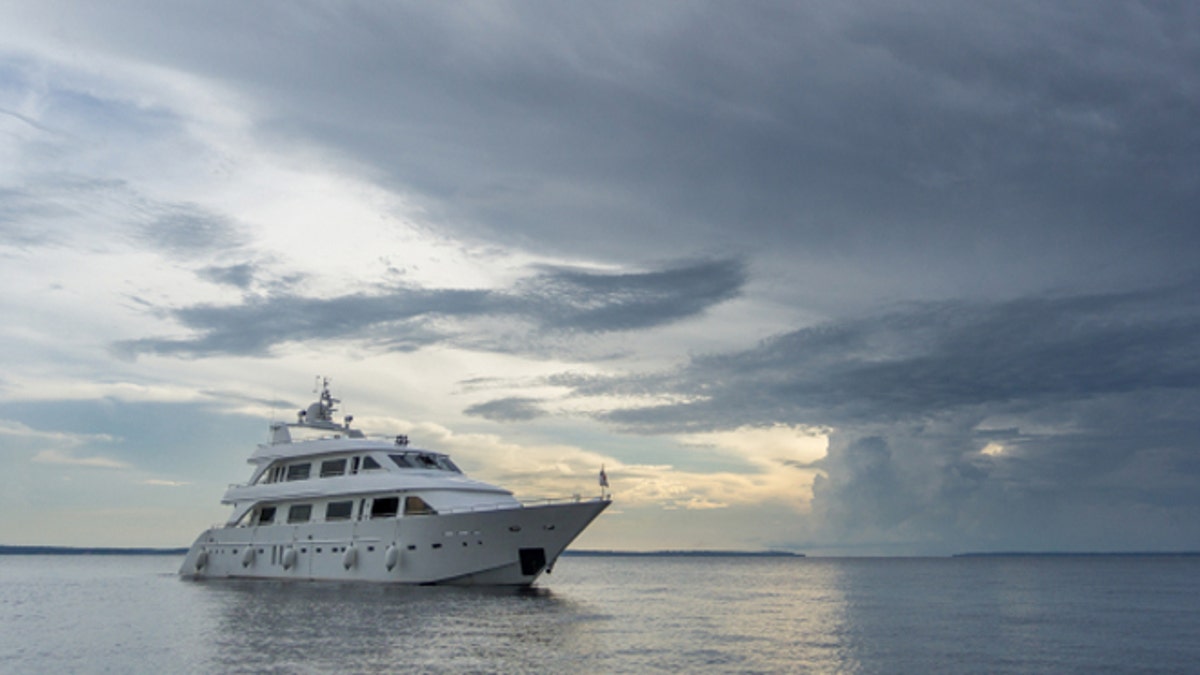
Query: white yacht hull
x=509 y=546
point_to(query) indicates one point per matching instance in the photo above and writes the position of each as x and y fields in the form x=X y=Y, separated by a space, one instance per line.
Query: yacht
x=346 y=507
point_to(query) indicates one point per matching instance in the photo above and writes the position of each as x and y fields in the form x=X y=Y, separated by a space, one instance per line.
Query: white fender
x=350 y=557
x=248 y=557
x=289 y=558
x=201 y=560
x=391 y=557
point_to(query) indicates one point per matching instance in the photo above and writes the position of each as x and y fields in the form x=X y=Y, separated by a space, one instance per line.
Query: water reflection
x=321 y=626
x=125 y=614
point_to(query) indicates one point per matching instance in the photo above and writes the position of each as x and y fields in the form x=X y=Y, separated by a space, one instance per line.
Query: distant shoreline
x=87 y=550
x=93 y=550
x=1075 y=554
x=683 y=554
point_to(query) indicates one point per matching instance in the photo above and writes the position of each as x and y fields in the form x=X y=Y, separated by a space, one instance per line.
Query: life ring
x=350 y=557
x=391 y=557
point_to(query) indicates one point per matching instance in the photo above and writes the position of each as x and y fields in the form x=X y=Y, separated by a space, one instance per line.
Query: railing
x=483 y=508
x=531 y=503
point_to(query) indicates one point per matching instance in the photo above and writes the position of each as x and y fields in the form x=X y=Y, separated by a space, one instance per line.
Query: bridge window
x=333 y=467
x=298 y=471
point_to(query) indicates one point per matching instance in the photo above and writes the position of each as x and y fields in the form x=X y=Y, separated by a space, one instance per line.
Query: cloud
x=164 y=483
x=239 y=276
x=97 y=462
x=555 y=300
x=512 y=409
x=1090 y=396
x=188 y=231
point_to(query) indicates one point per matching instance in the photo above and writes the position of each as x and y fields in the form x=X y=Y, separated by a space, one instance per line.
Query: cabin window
x=266 y=515
x=402 y=461
x=338 y=510
x=385 y=507
x=447 y=465
x=333 y=467
x=370 y=463
x=299 y=513
x=298 y=471
x=415 y=506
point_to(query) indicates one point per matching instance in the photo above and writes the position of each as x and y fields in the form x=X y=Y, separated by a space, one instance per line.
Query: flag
x=603 y=477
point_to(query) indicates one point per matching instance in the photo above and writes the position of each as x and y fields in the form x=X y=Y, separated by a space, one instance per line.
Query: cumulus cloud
x=1088 y=396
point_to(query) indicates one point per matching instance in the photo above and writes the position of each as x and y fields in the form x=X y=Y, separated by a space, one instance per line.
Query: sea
x=1021 y=614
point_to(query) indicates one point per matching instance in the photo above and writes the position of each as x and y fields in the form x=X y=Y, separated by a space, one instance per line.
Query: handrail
x=493 y=506
x=531 y=503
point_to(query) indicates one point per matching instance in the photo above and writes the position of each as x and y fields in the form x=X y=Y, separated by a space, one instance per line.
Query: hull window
x=299 y=513
x=266 y=515
x=338 y=510
x=385 y=507
x=415 y=506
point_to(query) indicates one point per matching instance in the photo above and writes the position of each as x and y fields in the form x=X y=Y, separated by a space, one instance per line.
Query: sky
x=840 y=278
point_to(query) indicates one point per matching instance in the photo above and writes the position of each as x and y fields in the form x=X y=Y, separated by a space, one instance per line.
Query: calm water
x=616 y=615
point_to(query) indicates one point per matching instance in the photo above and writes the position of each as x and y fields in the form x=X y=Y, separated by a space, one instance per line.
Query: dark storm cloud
x=927 y=358
x=1083 y=403
x=555 y=300
x=1036 y=140
x=513 y=409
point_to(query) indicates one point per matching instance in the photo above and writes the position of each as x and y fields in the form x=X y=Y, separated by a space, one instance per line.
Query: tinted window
x=298 y=471
x=333 y=467
x=415 y=506
x=266 y=515
x=385 y=507
x=401 y=461
x=338 y=510
x=299 y=513
x=370 y=463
